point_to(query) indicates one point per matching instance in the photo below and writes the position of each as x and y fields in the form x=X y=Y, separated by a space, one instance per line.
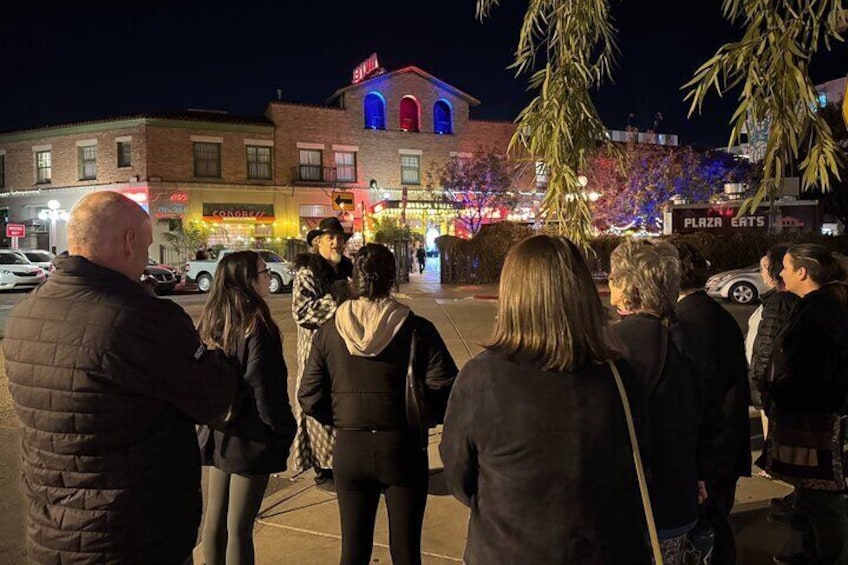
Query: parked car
x=742 y=286
x=154 y=263
x=202 y=272
x=162 y=280
x=17 y=272
x=40 y=258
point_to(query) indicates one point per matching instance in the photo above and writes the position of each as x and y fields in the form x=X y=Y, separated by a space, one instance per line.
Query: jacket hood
x=368 y=326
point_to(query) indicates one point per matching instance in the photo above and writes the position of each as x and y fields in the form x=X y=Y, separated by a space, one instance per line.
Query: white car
x=18 y=272
x=742 y=286
x=39 y=257
x=201 y=272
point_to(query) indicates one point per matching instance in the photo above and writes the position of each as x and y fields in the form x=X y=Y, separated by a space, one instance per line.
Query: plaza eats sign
x=801 y=216
x=261 y=213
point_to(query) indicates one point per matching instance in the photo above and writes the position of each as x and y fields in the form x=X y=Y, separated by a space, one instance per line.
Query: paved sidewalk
x=299 y=524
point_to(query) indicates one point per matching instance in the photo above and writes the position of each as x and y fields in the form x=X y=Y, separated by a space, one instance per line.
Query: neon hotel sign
x=364 y=69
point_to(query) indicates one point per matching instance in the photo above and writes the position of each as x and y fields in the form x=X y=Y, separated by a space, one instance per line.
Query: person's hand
x=702 y=492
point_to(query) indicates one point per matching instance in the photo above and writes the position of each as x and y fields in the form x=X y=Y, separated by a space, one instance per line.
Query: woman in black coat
x=644 y=282
x=256 y=442
x=535 y=439
x=355 y=380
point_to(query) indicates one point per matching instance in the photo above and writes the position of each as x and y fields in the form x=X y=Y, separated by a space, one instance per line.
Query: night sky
x=69 y=61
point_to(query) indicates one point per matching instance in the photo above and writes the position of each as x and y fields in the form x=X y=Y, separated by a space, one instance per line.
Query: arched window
x=375 y=111
x=442 y=122
x=409 y=114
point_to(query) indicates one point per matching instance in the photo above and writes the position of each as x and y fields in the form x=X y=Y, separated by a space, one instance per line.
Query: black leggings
x=366 y=463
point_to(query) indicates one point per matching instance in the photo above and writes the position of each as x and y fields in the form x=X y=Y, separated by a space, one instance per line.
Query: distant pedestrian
x=644 y=282
x=241 y=456
x=321 y=283
x=535 y=439
x=421 y=254
x=721 y=358
x=108 y=383
x=356 y=381
x=810 y=387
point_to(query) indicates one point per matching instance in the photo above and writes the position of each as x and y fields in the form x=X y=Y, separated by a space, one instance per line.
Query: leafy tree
x=771 y=65
x=191 y=236
x=480 y=184
x=567 y=47
x=835 y=200
x=389 y=229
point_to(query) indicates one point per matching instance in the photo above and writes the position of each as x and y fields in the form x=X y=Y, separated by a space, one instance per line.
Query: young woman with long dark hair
x=256 y=443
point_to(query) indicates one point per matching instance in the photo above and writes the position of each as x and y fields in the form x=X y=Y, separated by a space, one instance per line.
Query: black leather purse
x=417 y=413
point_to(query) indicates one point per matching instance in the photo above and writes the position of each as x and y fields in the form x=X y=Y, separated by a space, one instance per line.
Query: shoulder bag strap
x=640 y=470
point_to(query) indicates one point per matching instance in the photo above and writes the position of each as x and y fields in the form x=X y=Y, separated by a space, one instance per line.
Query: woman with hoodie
x=355 y=380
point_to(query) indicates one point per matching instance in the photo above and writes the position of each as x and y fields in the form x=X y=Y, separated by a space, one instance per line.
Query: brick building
x=262 y=177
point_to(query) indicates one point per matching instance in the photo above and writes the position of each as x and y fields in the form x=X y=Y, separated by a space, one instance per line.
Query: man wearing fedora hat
x=320 y=285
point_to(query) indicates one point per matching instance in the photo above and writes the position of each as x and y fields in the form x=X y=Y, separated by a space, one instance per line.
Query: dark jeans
x=366 y=463
x=826 y=542
x=722 y=493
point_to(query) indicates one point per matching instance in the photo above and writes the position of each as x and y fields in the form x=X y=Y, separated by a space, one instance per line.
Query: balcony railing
x=313 y=174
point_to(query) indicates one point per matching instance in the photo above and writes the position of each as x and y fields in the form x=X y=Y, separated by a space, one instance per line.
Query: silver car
x=17 y=272
x=742 y=286
x=39 y=257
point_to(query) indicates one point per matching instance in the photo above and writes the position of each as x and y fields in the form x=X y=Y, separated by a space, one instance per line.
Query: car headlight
x=718 y=279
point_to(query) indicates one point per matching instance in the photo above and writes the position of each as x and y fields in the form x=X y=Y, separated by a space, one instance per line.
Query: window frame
x=442 y=103
x=83 y=162
x=254 y=165
x=417 y=104
x=404 y=169
x=39 y=167
x=124 y=164
x=351 y=166
x=307 y=166
x=381 y=125
x=196 y=154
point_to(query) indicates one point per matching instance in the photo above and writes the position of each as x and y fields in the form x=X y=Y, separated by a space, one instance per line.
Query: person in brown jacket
x=108 y=382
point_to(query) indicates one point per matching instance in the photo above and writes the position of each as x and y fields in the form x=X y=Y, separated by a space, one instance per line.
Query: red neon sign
x=365 y=68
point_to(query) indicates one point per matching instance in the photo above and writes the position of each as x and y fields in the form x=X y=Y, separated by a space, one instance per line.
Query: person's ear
x=130 y=237
x=802 y=273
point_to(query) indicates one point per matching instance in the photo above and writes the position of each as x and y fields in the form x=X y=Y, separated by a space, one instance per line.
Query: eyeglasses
x=263 y=271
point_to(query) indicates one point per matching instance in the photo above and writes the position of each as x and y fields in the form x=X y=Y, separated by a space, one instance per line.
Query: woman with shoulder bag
x=538 y=438
x=356 y=379
x=644 y=285
x=255 y=443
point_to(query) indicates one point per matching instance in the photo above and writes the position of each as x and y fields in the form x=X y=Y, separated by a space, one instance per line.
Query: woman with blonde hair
x=256 y=443
x=535 y=439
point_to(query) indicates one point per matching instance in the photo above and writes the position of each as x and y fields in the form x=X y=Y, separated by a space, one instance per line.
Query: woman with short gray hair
x=644 y=283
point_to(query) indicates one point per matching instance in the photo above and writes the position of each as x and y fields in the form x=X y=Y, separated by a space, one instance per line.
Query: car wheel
x=204 y=282
x=742 y=293
x=276 y=284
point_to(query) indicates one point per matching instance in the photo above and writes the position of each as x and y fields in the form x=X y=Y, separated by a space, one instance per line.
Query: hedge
x=479 y=260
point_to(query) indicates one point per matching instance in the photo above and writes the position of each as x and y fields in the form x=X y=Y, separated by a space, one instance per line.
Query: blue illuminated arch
x=442 y=116
x=374 y=109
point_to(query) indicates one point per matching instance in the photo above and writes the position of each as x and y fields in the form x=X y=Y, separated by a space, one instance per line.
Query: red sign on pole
x=15 y=230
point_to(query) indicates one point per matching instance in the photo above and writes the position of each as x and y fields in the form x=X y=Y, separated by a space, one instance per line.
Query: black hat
x=329 y=225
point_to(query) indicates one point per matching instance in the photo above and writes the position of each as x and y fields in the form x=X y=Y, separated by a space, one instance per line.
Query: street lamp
x=54 y=214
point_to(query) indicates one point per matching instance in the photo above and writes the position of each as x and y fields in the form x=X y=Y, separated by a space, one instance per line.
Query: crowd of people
x=575 y=436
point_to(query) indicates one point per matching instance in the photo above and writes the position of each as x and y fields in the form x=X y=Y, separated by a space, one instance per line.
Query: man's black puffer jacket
x=107 y=382
x=777 y=306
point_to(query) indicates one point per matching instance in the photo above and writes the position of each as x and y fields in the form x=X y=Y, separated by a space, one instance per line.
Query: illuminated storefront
x=421 y=216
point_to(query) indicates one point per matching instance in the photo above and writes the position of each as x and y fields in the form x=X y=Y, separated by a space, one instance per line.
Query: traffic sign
x=342 y=200
x=15 y=230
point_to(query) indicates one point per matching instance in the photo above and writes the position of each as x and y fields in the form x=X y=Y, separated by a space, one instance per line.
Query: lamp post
x=54 y=214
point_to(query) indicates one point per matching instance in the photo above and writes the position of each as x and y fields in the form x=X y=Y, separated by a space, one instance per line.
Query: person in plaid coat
x=320 y=285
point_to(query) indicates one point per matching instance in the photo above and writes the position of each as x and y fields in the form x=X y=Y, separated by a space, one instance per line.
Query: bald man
x=108 y=382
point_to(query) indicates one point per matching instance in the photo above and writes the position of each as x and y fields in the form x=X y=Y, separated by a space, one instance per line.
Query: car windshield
x=12 y=259
x=38 y=257
x=269 y=257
